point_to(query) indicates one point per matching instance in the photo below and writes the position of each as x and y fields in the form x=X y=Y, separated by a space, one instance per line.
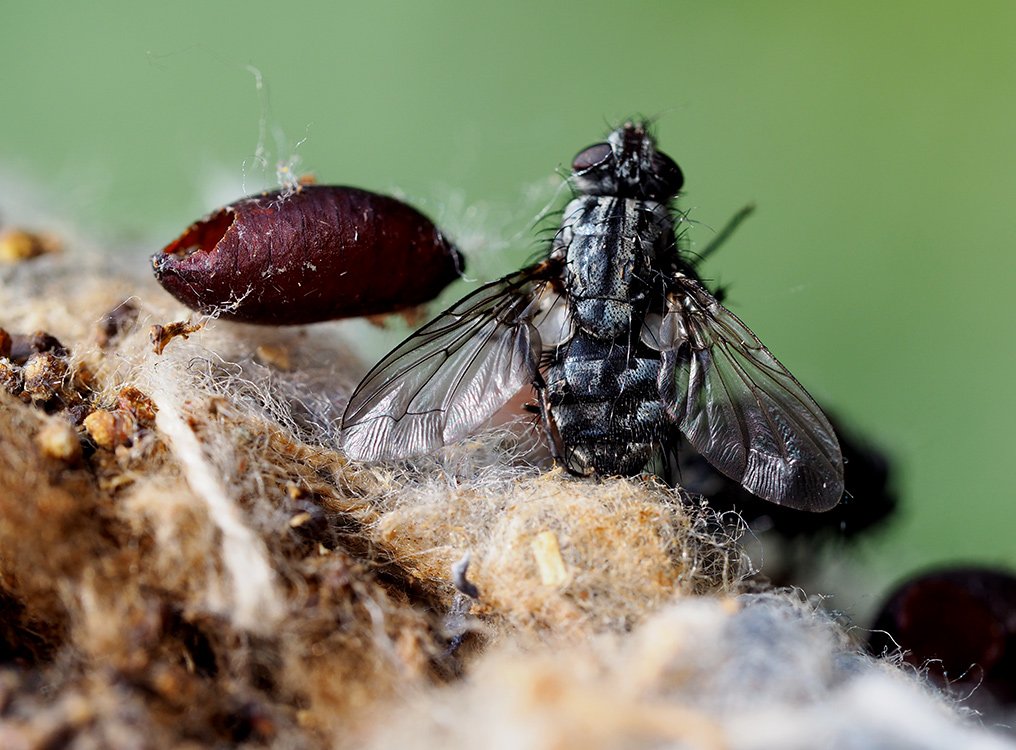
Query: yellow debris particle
x=546 y=550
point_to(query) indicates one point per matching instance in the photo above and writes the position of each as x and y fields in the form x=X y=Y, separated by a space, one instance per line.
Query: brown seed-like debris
x=44 y=375
x=318 y=253
x=17 y=245
x=160 y=336
x=23 y=346
x=59 y=440
x=138 y=405
x=110 y=429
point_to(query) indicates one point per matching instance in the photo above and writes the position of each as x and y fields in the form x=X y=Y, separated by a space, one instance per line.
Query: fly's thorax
x=595 y=214
x=611 y=248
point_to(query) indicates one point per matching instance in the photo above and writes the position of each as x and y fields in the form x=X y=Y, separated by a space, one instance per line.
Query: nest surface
x=187 y=561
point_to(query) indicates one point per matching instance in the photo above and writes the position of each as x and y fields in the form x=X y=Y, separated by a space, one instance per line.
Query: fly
x=625 y=348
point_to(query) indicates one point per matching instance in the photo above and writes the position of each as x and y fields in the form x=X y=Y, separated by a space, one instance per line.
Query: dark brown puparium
x=320 y=253
x=959 y=624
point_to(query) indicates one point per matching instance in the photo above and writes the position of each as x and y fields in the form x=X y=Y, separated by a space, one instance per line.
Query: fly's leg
x=668 y=456
x=547 y=418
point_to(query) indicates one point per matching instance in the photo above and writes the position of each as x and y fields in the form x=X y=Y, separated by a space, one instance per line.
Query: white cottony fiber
x=759 y=672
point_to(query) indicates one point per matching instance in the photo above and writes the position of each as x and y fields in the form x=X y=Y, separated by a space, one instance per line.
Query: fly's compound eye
x=592 y=157
x=669 y=175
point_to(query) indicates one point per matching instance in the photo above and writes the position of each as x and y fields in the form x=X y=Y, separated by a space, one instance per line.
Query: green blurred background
x=875 y=137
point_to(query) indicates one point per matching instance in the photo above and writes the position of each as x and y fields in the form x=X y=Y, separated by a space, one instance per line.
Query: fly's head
x=627 y=165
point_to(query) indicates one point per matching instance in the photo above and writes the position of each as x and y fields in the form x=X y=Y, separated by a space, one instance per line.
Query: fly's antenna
x=725 y=233
x=650 y=121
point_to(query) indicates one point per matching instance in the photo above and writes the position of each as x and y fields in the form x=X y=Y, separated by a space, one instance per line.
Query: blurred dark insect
x=959 y=624
x=869 y=498
x=316 y=253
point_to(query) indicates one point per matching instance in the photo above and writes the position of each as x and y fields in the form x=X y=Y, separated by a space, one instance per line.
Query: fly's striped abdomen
x=606 y=405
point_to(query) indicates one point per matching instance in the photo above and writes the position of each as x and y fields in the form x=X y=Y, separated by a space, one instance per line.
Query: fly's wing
x=448 y=378
x=740 y=408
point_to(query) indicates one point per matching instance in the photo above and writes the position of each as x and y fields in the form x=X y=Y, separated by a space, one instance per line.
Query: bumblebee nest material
x=185 y=561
